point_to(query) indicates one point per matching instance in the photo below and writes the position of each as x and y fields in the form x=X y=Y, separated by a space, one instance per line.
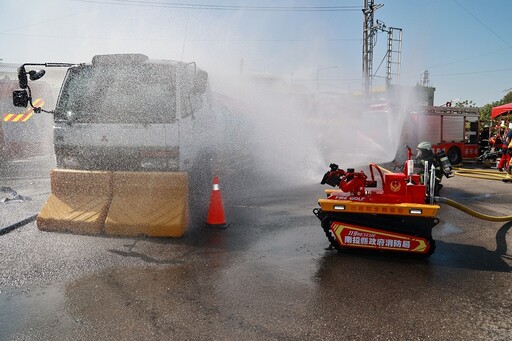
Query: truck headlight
x=70 y=115
x=153 y=163
x=70 y=162
x=160 y=159
x=173 y=164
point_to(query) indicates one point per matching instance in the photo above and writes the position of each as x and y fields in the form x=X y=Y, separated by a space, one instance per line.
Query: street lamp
x=320 y=68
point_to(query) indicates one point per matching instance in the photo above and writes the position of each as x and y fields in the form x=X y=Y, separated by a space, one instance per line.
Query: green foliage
x=507 y=98
x=485 y=110
x=464 y=104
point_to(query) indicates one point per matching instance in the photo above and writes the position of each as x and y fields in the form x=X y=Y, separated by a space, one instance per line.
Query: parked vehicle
x=454 y=130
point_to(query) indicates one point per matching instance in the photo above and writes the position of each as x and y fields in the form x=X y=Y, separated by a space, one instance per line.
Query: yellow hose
x=475 y=173
x=471 y=212
x=481 y=174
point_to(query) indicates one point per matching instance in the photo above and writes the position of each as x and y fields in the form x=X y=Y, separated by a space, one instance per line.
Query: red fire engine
x=454 y=130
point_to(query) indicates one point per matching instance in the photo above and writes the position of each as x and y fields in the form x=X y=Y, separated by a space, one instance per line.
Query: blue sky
x=466 y=45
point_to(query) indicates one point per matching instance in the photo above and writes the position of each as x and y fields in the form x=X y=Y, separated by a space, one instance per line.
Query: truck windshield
x=119 y=94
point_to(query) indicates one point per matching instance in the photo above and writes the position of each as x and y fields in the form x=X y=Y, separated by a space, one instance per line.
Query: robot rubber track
x=403 y=225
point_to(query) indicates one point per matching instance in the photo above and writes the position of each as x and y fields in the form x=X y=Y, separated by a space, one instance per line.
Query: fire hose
x=470 y=211
x=480 y=174
x=12 y=227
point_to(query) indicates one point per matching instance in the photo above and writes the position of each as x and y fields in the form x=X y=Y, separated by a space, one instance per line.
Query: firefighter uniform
x=505 y=154
x=426 y=156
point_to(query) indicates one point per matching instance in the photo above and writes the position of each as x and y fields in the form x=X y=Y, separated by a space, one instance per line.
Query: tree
x=507 y=98
x=485 y=111
x=464 y=104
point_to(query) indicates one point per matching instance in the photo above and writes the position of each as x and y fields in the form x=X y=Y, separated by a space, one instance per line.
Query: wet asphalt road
x=267 y=276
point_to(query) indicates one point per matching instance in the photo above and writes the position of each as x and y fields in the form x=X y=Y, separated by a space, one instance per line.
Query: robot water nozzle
x=334 y=167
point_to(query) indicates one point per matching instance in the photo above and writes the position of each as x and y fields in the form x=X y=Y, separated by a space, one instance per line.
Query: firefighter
x=425 y=155
x=508 y=165
x=505 y=152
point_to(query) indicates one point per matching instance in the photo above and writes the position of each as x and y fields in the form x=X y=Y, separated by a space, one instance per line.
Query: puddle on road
x=292 y=252
x=28 y=309
x=110 y=297
x=447 y=229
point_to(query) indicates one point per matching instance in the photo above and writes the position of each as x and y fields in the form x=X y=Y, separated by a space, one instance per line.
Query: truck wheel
x=201 y=175
x=454 y=155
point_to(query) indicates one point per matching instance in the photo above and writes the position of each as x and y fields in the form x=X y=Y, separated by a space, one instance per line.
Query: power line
x=477 y=56
x=225 y=7
x=483 y=24
x=472 y=73
x=470 y=58
x=44 y=22
x=277 y=40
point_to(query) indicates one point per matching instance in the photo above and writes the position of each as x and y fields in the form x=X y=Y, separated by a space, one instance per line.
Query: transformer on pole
x=368 y=42
x=394 y=48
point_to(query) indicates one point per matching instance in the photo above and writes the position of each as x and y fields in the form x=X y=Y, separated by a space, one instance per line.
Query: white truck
x=127 y=112
x=126 y=116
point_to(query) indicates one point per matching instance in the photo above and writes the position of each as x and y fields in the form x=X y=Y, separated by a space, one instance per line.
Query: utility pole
x=368 y=42
x=394 y=39
x=320 y=68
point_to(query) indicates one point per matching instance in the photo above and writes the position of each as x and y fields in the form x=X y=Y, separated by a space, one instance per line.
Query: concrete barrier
x=78 y=202
x=148 y=203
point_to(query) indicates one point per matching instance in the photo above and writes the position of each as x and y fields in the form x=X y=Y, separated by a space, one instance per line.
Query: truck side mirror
x=33 y=74
x=200 y=82
x=22 y=77
x=20 y=98
x=36 y=74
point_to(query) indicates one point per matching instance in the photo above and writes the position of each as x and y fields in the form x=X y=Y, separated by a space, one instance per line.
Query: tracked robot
x=392 y=213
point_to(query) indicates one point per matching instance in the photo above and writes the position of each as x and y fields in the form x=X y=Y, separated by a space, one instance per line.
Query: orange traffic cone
x=216 y=210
